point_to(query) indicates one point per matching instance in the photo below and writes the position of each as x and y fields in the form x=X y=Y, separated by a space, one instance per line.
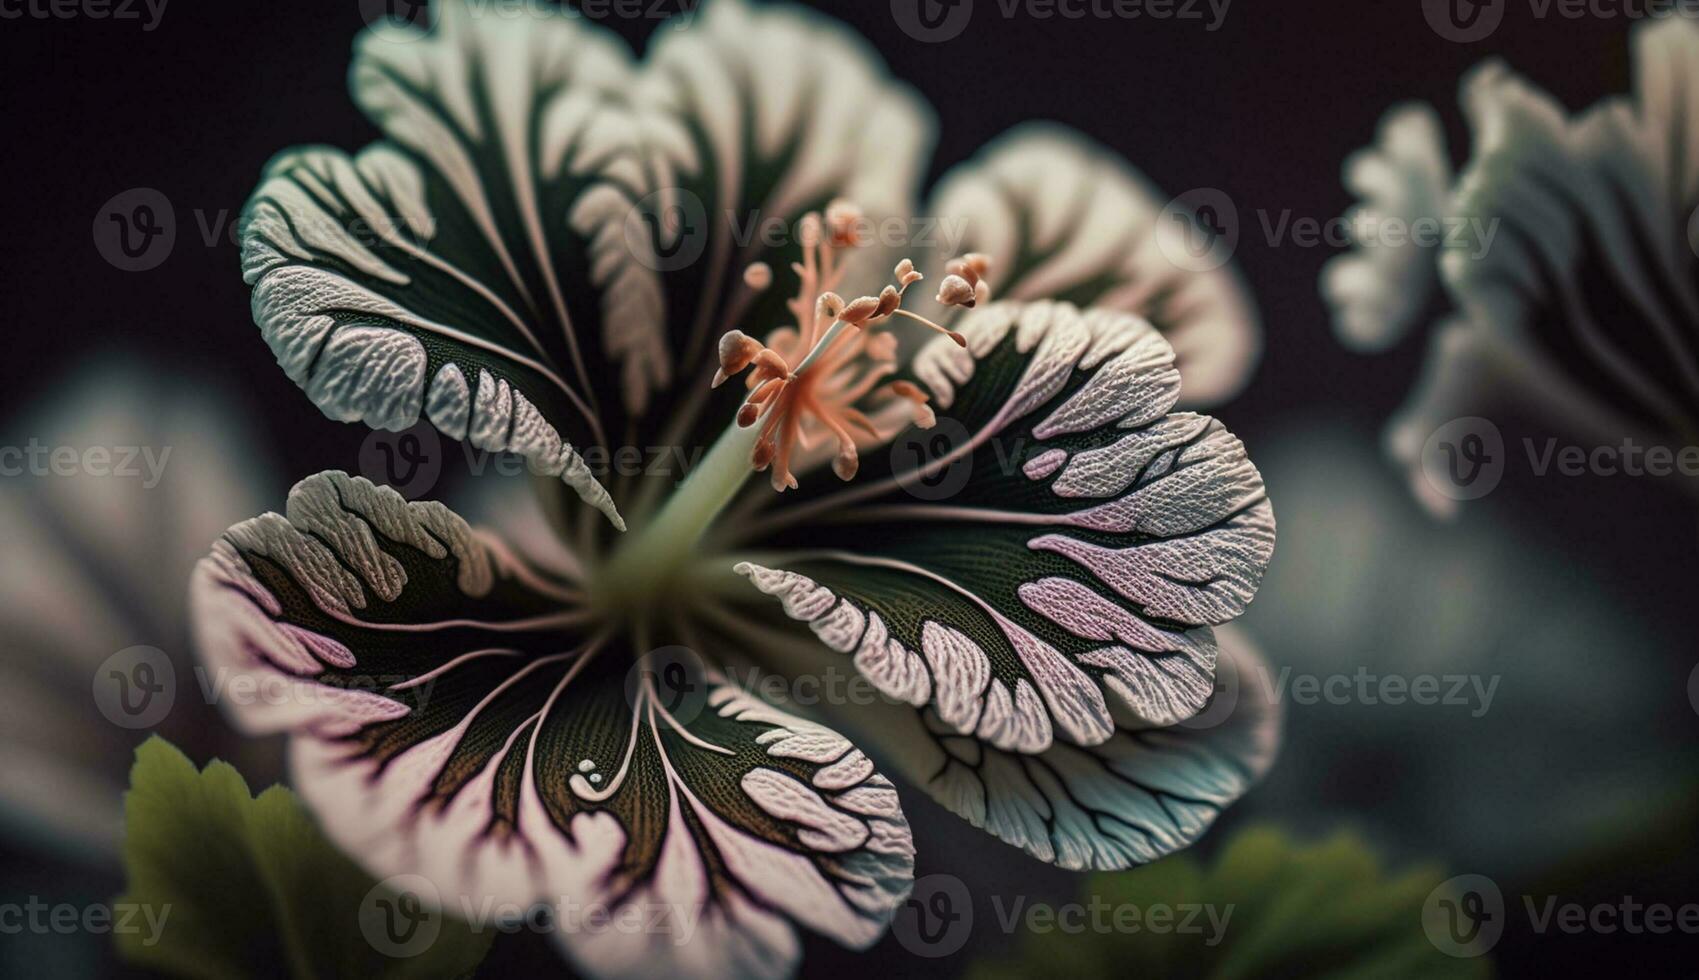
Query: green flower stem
x=651 y=557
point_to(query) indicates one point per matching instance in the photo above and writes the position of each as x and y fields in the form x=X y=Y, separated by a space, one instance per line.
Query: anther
x=737 y=351
x=807 y=381
x=846 y=462
x=861 y=311
x=957 y=291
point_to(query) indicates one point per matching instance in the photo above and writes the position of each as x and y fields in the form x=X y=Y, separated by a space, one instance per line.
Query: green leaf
x=1327 y=909
x=246 y=886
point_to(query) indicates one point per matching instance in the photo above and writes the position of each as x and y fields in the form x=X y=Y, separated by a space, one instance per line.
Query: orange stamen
x=806 y=381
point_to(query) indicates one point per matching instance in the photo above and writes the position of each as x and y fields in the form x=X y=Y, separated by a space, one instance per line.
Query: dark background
x=1266 y=108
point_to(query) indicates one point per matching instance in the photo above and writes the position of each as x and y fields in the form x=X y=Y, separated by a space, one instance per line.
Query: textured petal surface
x=540 y=255
x=1067 y=539
x=430 y=276
x=452 y=718
x=758 y=114
x=1066 y=219
x=1379 y=290
x=1050 y=572
x=1142 y=794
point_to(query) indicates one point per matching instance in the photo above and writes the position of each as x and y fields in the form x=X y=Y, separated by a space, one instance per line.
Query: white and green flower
x=1018 y=541
x=107 y=556
x=1570 y=260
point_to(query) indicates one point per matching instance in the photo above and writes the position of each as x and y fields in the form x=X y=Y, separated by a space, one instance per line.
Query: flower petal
x=1591 y=277
x=513 y=110
x=453 y=718
x=1055 y=565
x=164 y=461
x=539 y=258
x=1067 y=219
x=1380 y=289
x=461 y=271
x=1144 y=793
x=761 y=114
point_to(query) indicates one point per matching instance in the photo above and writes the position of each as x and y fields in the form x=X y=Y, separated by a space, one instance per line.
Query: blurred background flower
x=99 y=546
x=1567 y=249
x=1560 y=716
